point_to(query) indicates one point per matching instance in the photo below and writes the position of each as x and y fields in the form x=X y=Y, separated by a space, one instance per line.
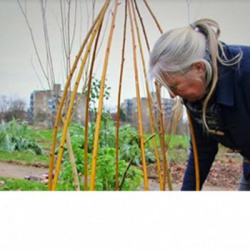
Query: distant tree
x=70 y=19
x=4 y=104
x=123 y=116
x=12 y=108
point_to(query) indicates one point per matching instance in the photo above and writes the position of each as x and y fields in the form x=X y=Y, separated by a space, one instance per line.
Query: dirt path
x=154 y=186
x=12 y=170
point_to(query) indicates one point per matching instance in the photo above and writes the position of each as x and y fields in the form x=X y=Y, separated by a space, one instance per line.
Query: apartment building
x=44 y=104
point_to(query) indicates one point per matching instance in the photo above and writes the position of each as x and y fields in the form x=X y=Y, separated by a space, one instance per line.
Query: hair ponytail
x=211 y=31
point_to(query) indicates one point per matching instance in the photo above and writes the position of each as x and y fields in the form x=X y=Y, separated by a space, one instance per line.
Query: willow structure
x=85 y=62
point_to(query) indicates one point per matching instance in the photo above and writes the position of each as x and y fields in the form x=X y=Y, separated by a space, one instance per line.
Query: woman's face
x=191 y=86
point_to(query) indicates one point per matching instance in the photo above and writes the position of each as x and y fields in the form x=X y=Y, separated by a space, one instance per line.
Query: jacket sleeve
x=207 y=149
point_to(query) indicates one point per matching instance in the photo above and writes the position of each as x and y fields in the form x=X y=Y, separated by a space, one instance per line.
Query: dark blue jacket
x=228 y=112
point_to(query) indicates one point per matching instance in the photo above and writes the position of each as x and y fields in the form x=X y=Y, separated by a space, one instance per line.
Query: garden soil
x=224 y=175
x=17 y=171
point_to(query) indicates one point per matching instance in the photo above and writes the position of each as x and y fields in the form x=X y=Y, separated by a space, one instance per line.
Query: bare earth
x=15 y=171
x=224 y=175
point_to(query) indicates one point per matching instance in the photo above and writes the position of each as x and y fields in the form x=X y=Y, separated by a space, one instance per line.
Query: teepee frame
x=87 y=53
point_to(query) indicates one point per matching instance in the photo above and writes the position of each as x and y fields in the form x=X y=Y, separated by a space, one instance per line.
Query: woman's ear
x=199 y=67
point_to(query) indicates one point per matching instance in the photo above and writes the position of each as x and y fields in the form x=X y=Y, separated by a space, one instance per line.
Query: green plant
x=95 y=95
x=107 y=133
x=15 y=137
x=129 y=153
x=130 y=146
x=105 y=177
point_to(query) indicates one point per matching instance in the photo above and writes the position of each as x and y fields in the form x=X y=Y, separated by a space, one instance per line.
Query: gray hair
x=176 y=50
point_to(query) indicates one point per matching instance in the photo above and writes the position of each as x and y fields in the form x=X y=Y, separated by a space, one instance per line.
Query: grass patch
x=25 y=157
x=8 y=184
x=41 y=136
x=179 y=141
x=178 y=147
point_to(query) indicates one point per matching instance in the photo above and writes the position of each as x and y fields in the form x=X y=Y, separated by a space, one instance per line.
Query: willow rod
x=196 y=162
x=153 y=16
x=138 y=103
x=72 y=162
x=87 y=112
x=119 y=97
x=67 y=120
x=166 y=170
x=100 y=106
x=172 y=127
x=149 y=101
x=142 y=25
x=165 y=163
x=59 y=111
x=161 y=122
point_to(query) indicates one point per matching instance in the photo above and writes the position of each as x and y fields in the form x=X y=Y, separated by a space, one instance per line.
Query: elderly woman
x=212 y=80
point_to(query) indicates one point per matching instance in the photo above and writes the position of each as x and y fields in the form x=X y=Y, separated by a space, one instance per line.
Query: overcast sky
x=18 y=60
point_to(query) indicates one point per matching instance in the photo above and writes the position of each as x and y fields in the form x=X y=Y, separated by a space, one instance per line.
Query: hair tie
x=194 y=27
x=198 y=29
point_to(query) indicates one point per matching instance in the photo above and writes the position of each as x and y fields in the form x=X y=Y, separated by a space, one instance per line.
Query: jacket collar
x=226 y=80
x=225 y=86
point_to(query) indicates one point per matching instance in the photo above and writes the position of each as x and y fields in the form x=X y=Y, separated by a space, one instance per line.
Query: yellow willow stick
x=175 y=117
x=161 y=31
x=152 y=14
x=147 y=87
x=149 y=101
x=161 y=133
x=100 y=106
x=86 y=136
x=138 y=102
x=72 y=162
x=87 y=113
x=142 y=25
x=68 y=116
x=59 y=111
x=166 y=169
x=196 y=162
x=119 y=97
x=162 y=136
x=161 y=121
